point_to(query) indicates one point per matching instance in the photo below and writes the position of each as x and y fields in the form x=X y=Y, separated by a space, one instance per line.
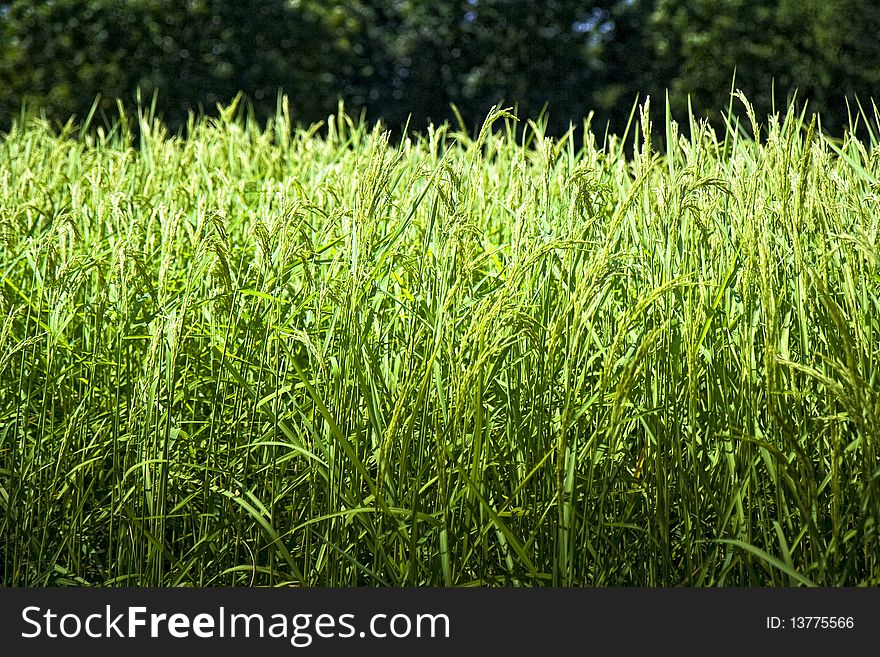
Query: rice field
x=318 y=357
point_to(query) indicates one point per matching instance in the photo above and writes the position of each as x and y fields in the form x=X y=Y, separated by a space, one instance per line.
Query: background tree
x=827 y=50
x=57 y=56
x=399 y=58
x=418 y=57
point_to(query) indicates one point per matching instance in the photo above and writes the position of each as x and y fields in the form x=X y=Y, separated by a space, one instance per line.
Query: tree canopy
x=402 y=60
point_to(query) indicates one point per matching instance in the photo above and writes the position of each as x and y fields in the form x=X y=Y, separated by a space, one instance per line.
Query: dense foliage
x=58 y=56
x=408 y=60
x=265 y=356
x=827 y=50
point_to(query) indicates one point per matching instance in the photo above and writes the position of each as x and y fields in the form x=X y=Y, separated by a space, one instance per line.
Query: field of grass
x=268 y=356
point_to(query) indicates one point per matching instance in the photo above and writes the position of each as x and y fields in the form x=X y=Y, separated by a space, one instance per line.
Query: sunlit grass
x=269 y=356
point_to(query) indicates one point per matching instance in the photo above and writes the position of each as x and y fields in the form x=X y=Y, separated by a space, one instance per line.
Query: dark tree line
x=400 y=59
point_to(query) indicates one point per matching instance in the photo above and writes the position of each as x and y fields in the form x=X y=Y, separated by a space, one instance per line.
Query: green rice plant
x=311 y=356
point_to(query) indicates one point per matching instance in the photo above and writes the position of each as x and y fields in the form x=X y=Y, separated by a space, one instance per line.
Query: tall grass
x=267 y=356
